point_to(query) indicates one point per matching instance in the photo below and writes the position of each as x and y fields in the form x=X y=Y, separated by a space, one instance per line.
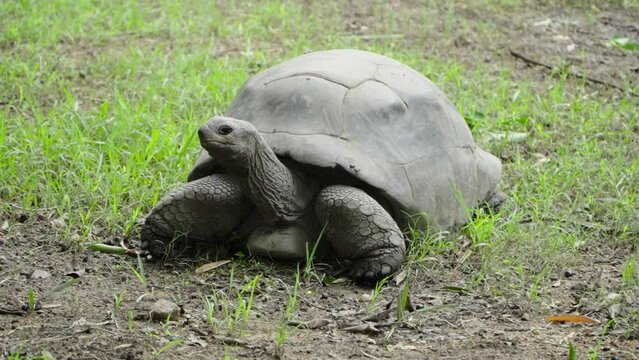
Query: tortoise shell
x=375 y=118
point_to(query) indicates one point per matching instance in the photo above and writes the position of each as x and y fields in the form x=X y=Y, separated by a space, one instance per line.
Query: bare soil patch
x=443 y=321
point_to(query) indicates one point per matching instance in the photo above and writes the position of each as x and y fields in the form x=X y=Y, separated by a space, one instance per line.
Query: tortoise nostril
x=224 y=130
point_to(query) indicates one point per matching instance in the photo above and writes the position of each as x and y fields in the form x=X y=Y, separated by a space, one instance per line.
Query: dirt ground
x=79 y=321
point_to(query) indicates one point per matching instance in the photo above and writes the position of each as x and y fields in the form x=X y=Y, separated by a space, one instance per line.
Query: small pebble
x=613 y=298
x=40 y=274
x=164 y=309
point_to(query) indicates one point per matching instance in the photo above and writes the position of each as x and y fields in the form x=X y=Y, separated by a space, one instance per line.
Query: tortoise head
x=228 y=139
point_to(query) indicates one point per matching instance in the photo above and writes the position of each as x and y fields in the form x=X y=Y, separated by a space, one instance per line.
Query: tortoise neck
x=278 y=193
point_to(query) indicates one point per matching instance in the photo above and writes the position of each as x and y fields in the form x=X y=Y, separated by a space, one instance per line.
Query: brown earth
x=442 y=321
x=79 y=321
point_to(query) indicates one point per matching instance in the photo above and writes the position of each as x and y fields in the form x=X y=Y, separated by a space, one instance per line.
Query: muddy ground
x=443 y=320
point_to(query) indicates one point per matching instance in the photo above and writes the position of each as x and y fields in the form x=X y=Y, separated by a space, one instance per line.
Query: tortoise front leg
x=360 y=229
x=203 y=210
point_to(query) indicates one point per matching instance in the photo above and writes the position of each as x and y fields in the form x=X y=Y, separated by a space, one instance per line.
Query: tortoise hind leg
x=494 y=202
x=360 y=229
x=203 y=210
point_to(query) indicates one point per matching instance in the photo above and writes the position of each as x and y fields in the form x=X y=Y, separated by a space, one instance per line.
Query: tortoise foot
x=360 y=229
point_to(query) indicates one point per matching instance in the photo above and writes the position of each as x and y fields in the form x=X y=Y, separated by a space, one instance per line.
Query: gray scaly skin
x=204 y=210
x=357 y=227
x=361 y=230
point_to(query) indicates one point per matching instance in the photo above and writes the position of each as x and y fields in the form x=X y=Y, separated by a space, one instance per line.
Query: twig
x=198 y=331
x=315 y=305
x=379 y=316
x=237 y=342
x=230 y=341
x=51 y=306
x=369 y=355
x=366 y=327
x=108 y=249
x=4 y=311
x=571 y=73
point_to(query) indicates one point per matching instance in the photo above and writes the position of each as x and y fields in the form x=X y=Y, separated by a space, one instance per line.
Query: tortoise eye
x=224 y=130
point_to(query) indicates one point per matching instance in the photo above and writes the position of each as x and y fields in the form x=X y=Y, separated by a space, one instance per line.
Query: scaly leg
x=360 y=229
x=495 y=201
x=203 y=210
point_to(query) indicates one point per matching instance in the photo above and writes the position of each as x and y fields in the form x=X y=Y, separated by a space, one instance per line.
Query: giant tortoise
x=345 y=144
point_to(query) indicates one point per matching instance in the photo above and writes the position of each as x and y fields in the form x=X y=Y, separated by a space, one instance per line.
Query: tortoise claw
x=375 y=268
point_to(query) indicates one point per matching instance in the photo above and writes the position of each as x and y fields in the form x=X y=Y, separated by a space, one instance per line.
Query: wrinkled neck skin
x=279 y=193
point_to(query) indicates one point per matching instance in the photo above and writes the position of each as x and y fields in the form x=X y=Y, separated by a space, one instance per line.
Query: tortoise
x=346 y=144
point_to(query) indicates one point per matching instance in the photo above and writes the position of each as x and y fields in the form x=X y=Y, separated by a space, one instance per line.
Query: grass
x=235 y=305
x=572 y=352
x=245 y=299
x=282 y=331
x=100 y=101
x=282 y=334
x=117 y=302
x=292 y=300
x=139 y=273
x=374 y=297
x=31 y=301
x=130 y=320
x=402 y=300
x=210 y=304
x=630 y=271
x=309 y=265
x=169 y=345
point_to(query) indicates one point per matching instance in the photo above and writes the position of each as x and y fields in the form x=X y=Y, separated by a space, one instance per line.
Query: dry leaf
x=400 y=346
x=456 y=289
x=570 y=318
x=543 y=23
x=365 y=328
x=400 y=277
x=614 y=310
x=210 y=266
x=313 y=324
x=465 y=256
x=317 y=323
x=382 y=315
x=339 y=280
x=77 y=270
x=40 y=274
x=58 y=223
x=75 y=274
x=194 y=340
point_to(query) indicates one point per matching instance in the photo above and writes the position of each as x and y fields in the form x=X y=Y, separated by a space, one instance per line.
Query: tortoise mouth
x=221 y=147
x=214 y=142
x=218 y=146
